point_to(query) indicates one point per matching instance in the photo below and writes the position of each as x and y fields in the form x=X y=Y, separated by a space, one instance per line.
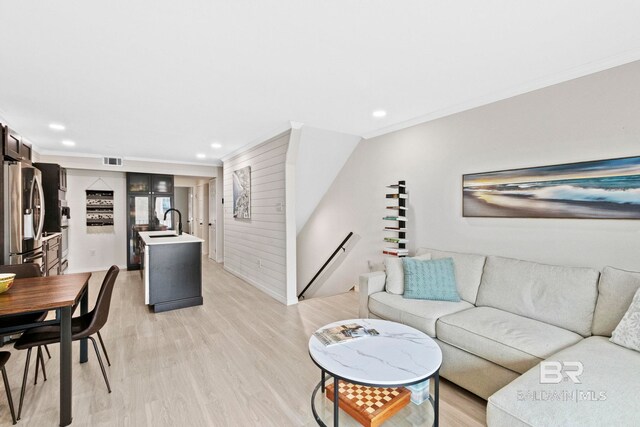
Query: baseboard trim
x=257 y=285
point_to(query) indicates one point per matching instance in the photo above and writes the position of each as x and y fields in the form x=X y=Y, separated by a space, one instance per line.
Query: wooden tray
x=370 y=406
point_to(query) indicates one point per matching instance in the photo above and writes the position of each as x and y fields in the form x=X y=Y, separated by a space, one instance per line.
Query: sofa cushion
x=627 y=333
x=419 y=314
x=430 y=279
x=395 y=273
x=559 y=296
x=511 y=341
x=606 y=395
x=468 y=269
x=615 y=292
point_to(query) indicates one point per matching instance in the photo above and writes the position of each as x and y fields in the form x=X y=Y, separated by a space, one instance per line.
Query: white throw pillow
x=395 y=273
x=627 y=333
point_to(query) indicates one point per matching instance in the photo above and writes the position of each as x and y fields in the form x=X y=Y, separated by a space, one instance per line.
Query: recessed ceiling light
x=56 y=126
x=378 y=114
x=216 y=145
x=68 y=143
x=200 y=156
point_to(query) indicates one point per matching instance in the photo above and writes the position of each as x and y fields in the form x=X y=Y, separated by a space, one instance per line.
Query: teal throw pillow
x=430 y=279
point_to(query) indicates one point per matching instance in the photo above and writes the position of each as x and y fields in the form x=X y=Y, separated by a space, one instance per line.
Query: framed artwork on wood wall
x=601 y=189
x=242 y=193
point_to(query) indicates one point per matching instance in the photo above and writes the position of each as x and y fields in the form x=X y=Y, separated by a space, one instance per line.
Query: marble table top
x=399 y=355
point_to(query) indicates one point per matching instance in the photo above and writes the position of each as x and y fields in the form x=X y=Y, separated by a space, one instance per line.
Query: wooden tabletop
x=43 y=293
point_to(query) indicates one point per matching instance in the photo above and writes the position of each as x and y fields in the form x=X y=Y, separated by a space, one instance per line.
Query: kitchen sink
x=163 y=235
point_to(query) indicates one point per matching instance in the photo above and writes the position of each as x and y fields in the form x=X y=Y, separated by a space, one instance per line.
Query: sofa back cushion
x=394 y=269
x=557 y=295
x=615 y=293
x=468 y=270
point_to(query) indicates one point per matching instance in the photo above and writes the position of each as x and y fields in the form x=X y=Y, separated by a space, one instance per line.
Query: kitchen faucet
x=179 y=219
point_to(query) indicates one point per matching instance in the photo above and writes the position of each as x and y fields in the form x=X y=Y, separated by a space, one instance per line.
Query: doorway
x=212 y=219
x=181 y=203
x=201 y=220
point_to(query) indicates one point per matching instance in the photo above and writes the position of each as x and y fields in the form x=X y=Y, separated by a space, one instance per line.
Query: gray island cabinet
x=171 y=270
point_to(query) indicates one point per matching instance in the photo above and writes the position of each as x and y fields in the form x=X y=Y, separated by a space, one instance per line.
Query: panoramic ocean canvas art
x=597 y=189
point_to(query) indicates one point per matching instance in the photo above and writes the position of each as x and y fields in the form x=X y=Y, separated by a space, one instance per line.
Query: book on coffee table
x=343 y=333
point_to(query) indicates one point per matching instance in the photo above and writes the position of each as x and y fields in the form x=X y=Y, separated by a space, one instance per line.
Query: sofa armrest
x=370 y=283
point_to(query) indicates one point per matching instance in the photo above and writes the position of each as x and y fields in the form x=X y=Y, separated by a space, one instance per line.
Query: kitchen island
x=171 y=270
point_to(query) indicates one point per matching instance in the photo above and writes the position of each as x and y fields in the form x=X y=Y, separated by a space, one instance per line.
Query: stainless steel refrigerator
x=24 y=219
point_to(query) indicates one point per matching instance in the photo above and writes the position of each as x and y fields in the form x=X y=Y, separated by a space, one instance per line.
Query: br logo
x=553 y=372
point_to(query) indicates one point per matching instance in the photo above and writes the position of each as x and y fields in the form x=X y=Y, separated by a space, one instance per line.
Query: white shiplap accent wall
x=255 y=249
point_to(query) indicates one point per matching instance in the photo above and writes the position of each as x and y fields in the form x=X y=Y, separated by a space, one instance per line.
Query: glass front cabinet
x=148 y=198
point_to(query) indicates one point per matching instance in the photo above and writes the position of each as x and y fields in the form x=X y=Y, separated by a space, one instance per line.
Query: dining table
x=60 y=293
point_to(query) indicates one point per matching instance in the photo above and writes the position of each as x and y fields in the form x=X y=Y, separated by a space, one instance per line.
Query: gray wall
x=591 y=118
x=181 y=202
x=255 y=249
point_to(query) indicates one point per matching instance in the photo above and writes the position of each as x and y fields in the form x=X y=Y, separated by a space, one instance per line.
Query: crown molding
x=134 y=159
x=530 y=86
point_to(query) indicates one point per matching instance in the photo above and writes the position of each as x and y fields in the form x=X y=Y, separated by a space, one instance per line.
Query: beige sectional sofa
x=515 y=314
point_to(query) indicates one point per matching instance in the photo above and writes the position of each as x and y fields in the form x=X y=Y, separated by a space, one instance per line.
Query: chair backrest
x=100 y=312
x=22 y=271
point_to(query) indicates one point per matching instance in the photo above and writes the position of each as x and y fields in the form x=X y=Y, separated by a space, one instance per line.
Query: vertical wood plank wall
x=255 y=249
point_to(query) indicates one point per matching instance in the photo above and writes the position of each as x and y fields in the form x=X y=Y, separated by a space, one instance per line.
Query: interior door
x=197 y=210
x=203 y=216
x=191 y=213
x=212 y=219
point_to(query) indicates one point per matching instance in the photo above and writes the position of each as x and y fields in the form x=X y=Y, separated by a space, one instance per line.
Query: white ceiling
x=163 y=79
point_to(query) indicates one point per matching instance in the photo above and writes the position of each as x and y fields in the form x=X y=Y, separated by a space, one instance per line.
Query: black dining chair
x=4 y=358
x=16 y=323
x=81 y=327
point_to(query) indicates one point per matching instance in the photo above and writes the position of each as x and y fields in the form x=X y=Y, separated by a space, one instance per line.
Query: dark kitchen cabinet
x=162 y=184
x=148 y=198
x=52 y=254
x=14 y=147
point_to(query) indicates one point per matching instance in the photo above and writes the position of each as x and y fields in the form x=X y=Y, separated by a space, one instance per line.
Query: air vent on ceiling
x=112 y=161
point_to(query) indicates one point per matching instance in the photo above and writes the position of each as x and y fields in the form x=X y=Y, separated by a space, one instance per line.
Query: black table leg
x=436 y=399
x=322 y=380
x=65 y=366
x=336 y=401
x=84 y=309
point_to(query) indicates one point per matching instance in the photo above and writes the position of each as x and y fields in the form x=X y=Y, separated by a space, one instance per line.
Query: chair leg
x=8 y=390
x=24 y=381
x=38 y=356
x=104 y=373
x=44 y=371
x=104 y=349
x=40 y=362
x=47 y=350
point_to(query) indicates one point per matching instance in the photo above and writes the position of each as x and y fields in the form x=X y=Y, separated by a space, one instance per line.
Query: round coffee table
x=399 y=356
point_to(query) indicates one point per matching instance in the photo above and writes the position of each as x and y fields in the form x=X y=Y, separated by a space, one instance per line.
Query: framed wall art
x=99 y=211
x=242 y=193
x=601 y=189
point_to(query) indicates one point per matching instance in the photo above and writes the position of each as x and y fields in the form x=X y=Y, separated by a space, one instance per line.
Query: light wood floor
x=239 y=360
